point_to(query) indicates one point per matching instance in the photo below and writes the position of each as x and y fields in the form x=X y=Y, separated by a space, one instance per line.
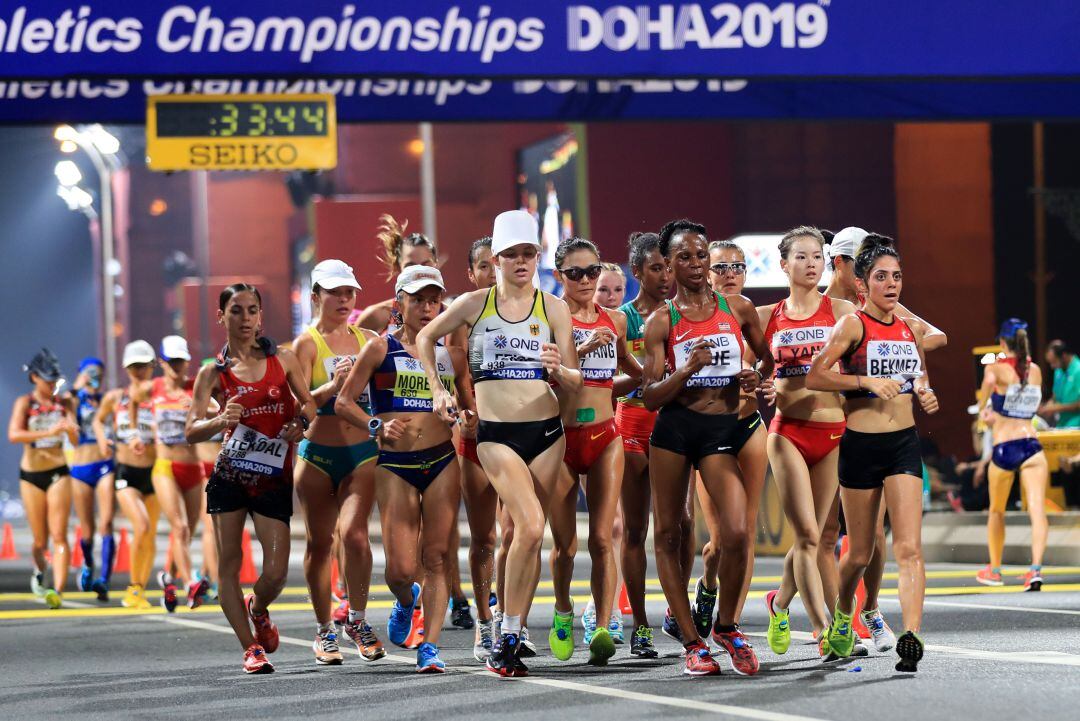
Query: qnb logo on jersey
x=500 y=342
x=893 y=358
x=412 y=364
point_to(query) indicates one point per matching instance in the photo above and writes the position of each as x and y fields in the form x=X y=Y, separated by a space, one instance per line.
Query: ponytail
x=1023 y=355
x=392 y=236
x=874 y=246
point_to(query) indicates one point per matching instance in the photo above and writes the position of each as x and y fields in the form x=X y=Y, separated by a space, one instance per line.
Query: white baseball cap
x=332 y=273
x=417 y=277
x=138 y=351
x=847 y=242
x=514 y=227
x=174 y=347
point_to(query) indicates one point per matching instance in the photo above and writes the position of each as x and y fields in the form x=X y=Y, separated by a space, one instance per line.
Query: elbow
x=341 y=406
x=651 y=400
x=938 y=340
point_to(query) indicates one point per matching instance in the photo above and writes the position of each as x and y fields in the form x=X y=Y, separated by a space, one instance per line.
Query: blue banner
x=389 y=100
x=796 y=39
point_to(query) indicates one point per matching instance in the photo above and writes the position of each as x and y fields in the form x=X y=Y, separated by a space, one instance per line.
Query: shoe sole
x=527 y=652
x=381 y=653
x=645 y=654
x=910 y=653
x=695 y=674
x=329 y=661
x=1034 y=586
x=263 y=669
x=431 y=669
x=988 y=582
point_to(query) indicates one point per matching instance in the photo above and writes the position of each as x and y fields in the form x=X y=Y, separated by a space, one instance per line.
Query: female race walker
x=1014 y=387
x=94 y=471
x=255 y=383
x=417 y=477
x=882 y=367
x=519 y=337
x=693 y=373
x=610 y=286
x=39 y=421
x=178 y=473
x=593 y=450
x=335 y=478
x=132 y=412
x=635 y=424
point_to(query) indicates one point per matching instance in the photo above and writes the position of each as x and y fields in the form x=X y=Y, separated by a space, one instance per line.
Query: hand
x=980 y=475
x=596 y=338
x=137 y=446
x=106 y=447
x=470 y=421
x=701 y=355
x=293 y=431
x=928 y=400
x=767 y=389
x=1048 y=409
x=232 y=413
x=748 y=379
x=65 y=425
x=341 y=372
x=394 y=430
x=883 y=388
x=986 y=414
x=443 y=404
x=550 y=357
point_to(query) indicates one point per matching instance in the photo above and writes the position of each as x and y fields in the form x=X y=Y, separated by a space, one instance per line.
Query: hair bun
x=875 y=240
x=828 y=235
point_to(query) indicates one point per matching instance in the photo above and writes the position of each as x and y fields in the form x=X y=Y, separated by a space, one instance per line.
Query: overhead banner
x=882 y=39
x=393 y=100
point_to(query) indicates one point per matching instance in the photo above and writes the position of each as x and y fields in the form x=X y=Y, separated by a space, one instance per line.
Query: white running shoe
x=588 y=621
x=37 y=583
x=882 y=635
x=484 y=640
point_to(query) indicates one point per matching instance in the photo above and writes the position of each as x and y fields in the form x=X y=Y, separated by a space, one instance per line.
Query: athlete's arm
x=295 y=375
x=307 y=354
x=17 y=430
x=463 y=388
x=658 y=390
x=935 y=337
x=560 y=358
x=749 y=321
x=376 y=317
x=842 y=307
x=923 y=390
x=465 y=308
x=845 y=336
x=197 y=427
x=70 y=424
x=104 y=410
x=630 y=379
x=346 y=407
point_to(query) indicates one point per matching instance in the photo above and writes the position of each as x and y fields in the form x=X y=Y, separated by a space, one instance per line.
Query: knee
x=399 y=576
x=319 y=546
x=229 y=563
x=600 y=545
x=858 y=557
x=735 y=546
x=59 y=538
x=275 y=577
x=635 y=537
x=907 y=551
x=529 y=534
x=355 y=539
x=806 y=543
x=181 y=532
x=669 y=540
x=434 y=557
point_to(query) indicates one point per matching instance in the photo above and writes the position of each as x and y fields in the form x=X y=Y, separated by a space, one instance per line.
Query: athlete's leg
x=82 y=496
x=903 y=496
x=105 y=496
x=669 y=475
x=209 y=544
x=133 y=505
x=721 y=478
x=506 y=539
x=875 y=571
x=273 y=535
x=563 y=522
x=828 y=567
x=480 y=508
x=1034 y=475
x=228 y=531
x=439 y=507
x=711 y=551
x=861 y=508
x=753 y=464
x=145 y=554
x=399 y=513
x=320 y=507
x=636 y=502
x=453 y=569
x=602 y=493
x=59 y=503
x=356 y=496
x=172 y=505
x=1000 y=482
x=36 y=506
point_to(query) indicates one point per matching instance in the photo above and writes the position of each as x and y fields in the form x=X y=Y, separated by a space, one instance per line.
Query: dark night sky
x=47 y=274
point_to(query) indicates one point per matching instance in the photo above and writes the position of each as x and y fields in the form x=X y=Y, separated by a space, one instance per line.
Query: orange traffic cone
x=7 y=550
x=335 y=575
x=248 y=574
x=123 y=554
x=76 y=549
x=624 y=602
x=860 y=599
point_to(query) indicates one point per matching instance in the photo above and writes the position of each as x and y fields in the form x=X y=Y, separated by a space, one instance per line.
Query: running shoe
x=416 y=635
x=841 y=635
x=702 y=610
x=615 y=628
x=588 y=621
x=601 y=648
x=52 y=599
x=561 y=635
x=1033 y=580
x=427 y=659
x=859 y=650
x=779 y=633
x=135 y=597
x=504 y=657
x=266 y=632
x=196 y=593
x=461 y=614
x=743 y=659
x=326 y=649
x=37 y=583
x=880 y=633
x=496 y=619
x=367 y=643
x=255 y=660
x=168 y=596
x=399 y=627
x=212 y=592
x=101 y=588
x=493 y=600
x=671 y=627
x=988 y=577
x=340 y=613
x=526 y=648
x=910 y=649
x=86 y=579
x=641 y=644
x=699 y=661
x=825 y=652
x=485 y=639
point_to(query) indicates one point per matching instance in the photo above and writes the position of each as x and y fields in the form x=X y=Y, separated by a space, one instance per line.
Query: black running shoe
x=460 y=614
x=702 y=610
x=504 y=657
x=641 y=644
x=910 y=649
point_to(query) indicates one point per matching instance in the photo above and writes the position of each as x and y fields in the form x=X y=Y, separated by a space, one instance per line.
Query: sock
x=564 y=614
x=1037 y=569
x=511 y=624
x=720 y=628
x=87 y=545
x=355 y=616
x=108 y=553
x=996 y=569
x=324 y=628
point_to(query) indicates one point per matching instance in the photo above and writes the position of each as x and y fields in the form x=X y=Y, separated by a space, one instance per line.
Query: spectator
x=1066 y=400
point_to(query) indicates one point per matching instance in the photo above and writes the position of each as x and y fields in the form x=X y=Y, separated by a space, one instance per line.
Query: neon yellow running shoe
x=135 y=598
x=52 y=598
x=561 y=636
x=841 y=634
x=779 y=633
x=601 y=648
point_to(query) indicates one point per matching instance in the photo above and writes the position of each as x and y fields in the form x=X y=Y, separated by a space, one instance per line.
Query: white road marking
x=703 y=706
x=993 y=606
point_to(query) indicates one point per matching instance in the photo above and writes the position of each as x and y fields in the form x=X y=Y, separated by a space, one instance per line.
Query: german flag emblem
x=534 y=328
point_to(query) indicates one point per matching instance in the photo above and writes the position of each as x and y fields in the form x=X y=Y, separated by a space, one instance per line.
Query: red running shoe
x=987 y=577
x=341 y=613
x=255 y=660
x=416 y=635
x=197 y=591
x=266 y=632
x=699 y=661
x=743 y=659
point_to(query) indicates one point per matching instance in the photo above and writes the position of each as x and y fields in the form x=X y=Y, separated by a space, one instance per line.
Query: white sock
x=324 y=628
x=355 y=615
x=511 y=624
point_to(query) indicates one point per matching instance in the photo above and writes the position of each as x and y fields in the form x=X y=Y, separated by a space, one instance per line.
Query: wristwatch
x=374 y=426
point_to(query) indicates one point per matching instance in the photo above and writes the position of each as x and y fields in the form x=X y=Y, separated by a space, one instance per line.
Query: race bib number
x=512 y=356
x=412 y=392
x=896 y=359
x=794 y=349
x=44 y=422
x=726 y=360
x=1021 y=401
x=250 y=451
x=598 y=364
x=170 y=426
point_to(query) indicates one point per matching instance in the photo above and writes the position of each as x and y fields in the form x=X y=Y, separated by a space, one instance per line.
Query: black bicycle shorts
x=867 y=459
x=226 y=496
x=697 y=435
x=141 y=479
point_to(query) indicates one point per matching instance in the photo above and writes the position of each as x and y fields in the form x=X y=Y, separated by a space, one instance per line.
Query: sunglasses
x=575 y=274
x=721 y=268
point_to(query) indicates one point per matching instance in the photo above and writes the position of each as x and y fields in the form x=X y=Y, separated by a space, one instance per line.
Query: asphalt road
x=991 y=654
